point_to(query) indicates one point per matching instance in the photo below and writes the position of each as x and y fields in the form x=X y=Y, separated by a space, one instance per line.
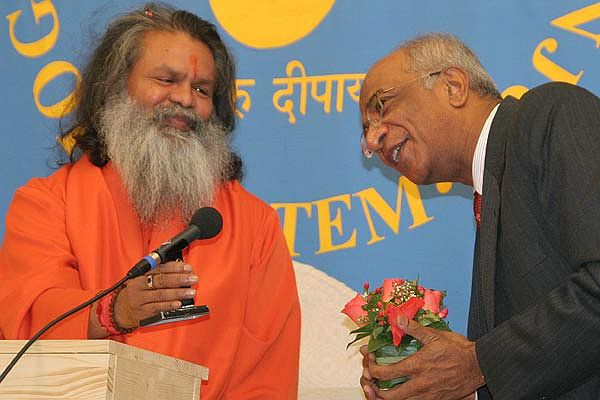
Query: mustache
x=163 y=113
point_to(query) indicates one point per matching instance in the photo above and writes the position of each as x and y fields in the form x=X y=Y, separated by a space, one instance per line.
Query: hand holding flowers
x=377 y=312
x=446 y=367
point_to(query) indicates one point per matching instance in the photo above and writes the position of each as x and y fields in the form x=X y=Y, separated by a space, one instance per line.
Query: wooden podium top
x=96 y=369
x=103 y=347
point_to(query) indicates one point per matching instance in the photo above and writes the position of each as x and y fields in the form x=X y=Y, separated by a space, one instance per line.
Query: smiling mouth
x=179 y=122
x=395 y=153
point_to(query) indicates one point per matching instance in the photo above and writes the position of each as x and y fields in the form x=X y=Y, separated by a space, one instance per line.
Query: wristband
x=106 y=315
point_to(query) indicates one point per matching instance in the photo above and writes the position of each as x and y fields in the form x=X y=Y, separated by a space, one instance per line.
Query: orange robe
x=74 y=233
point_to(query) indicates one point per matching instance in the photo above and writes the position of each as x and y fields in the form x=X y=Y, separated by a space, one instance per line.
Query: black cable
x=56 y=321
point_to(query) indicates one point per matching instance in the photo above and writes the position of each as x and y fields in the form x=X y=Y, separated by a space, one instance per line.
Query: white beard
x=167 y=172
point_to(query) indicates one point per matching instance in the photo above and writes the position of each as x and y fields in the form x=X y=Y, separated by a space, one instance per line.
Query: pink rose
x=443 y=313
x=388 y=288
x=432 y=299
x=409 y=310
x=354 y=310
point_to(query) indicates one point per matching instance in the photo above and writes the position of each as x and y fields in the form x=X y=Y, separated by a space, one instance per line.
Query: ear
x=456 y=84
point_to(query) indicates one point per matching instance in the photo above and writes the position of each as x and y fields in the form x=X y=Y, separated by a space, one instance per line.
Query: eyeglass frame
x=377 y=97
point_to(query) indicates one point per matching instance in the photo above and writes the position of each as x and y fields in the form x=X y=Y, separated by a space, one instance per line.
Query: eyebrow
x=179 y=75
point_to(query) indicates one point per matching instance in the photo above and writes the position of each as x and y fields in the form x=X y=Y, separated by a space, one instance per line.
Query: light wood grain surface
x=96 y=369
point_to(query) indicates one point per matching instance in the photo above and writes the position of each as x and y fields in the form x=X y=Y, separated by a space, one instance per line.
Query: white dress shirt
x=479 y=155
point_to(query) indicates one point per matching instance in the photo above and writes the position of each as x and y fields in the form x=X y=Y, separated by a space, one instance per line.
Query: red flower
x=443 y=313
x=432 y=299
x=409 y=310
x=354 y=310
x=388 y=288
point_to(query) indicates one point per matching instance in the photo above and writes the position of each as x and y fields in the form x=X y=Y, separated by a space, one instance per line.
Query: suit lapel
x=485 y=267
x=481 y=317
x=481 y=311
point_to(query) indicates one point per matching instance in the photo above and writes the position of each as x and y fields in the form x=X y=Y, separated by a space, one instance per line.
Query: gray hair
x=438 y=51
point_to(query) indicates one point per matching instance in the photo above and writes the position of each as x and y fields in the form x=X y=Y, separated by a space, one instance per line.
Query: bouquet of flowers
x=376 y=313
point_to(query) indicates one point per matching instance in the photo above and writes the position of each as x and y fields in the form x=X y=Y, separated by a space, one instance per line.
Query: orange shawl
x=74 y=233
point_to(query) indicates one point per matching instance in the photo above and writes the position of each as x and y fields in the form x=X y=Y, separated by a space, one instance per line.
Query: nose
x=373 y=139
x=182 y=94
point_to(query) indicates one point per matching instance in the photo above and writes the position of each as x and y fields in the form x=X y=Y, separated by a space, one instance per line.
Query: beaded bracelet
x=106 y=315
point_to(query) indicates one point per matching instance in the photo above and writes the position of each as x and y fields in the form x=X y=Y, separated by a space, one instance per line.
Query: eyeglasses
x=374 y=108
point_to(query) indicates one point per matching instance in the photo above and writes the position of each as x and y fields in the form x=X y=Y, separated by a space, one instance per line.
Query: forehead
x=177 y=50
x=384 y=74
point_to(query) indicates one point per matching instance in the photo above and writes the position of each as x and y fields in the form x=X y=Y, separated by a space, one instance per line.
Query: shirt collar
x=479 y=156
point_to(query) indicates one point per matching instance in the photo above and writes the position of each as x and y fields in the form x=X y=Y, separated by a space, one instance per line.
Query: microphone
x=206 y=223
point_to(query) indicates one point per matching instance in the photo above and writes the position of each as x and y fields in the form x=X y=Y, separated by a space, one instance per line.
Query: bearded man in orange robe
x=155 y=109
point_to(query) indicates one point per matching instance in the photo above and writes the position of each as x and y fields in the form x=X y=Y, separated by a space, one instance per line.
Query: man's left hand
x=445 y=368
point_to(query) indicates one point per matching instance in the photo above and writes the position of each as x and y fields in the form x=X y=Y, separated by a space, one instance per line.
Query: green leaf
x=363 y=329
x=440 y=326
x=389 y=360
x=429 y=315
x=390 y=353
x=385 y=385
x=357 y=338
x=377 y=343
x=377 y=331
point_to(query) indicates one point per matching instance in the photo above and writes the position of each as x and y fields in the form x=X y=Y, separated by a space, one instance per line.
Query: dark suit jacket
x=535 y=302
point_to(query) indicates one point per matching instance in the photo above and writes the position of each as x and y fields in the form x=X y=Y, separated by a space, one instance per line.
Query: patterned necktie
x=477 y=208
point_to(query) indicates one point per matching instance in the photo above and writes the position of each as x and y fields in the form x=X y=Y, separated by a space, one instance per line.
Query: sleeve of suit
x=551 y=348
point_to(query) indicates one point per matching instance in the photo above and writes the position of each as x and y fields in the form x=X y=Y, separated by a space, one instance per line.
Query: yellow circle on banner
x=265 y=24
x=443 y=187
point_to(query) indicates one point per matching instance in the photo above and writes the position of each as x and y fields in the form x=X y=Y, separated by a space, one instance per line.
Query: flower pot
x=390 y=354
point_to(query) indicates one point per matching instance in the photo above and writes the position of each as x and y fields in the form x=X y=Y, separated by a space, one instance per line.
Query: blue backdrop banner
x=300 y=67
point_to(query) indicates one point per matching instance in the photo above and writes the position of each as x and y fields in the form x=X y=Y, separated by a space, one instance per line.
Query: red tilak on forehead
x=194 y=64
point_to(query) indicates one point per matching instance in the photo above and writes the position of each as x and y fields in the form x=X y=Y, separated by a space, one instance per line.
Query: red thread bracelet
x=106 y=315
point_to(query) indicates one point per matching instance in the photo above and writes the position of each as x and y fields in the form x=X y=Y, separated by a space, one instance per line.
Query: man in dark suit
x=431 y=111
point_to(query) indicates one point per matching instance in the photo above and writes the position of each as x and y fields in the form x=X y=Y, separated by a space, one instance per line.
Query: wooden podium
x=96 y=369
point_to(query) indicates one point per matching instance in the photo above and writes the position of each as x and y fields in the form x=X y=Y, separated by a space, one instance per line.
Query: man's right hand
x=138 y=300
x=366 y=380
